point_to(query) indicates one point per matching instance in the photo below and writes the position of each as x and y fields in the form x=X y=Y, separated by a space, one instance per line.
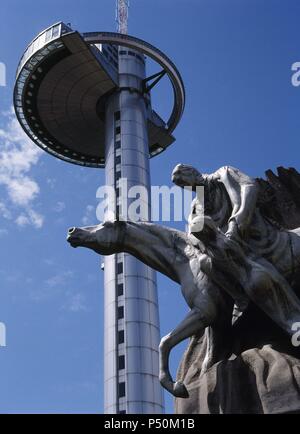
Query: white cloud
x=36 y=219
x=76 y=303
x=22 y=220
x=51 y=182
x=89 y=215
x=59 y=287
x=59 y=278
x=54 y=286
x=32 y=218
x=17 y=157
x=4 y=211
x=59 y=207
x=22 y=190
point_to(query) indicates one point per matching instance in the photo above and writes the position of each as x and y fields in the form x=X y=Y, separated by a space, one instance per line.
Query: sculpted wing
x=279 y=197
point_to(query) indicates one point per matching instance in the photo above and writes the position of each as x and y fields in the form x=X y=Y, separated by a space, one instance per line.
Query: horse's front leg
x=191 y=325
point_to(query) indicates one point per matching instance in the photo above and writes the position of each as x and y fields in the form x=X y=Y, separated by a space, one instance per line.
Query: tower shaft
x=131 y=308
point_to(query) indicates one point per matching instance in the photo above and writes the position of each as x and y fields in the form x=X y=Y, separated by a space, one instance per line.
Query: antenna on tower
x=122 y=7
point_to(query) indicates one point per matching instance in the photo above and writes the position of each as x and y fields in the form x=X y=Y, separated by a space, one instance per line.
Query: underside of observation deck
x=62 y=84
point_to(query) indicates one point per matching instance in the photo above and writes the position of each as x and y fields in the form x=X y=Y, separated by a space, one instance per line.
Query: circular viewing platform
x=62 y=83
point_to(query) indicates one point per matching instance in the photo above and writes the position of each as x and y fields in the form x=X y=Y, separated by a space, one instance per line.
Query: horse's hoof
x=180 y=391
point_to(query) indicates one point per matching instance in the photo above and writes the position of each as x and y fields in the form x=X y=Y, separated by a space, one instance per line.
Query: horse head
x=105 y=238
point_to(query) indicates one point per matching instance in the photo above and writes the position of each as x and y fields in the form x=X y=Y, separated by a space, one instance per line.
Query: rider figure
x=242 y=192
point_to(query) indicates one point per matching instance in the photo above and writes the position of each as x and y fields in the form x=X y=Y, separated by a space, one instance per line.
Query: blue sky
x=235 y=57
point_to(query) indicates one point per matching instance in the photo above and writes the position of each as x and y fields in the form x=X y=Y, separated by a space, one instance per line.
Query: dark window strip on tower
x=120 y=289
x=121 y=364
x=120 y=358
x=122 y=389
x=121 y=337
x=120 y=312
x=120 y=268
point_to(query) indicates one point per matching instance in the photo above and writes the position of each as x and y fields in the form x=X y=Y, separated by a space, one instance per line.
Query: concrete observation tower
x=85 y=98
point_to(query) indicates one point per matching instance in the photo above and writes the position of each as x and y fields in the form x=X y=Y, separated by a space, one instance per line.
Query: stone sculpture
x=239 y=276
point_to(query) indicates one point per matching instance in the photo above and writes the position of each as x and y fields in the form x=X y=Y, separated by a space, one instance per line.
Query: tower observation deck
x=85 y=98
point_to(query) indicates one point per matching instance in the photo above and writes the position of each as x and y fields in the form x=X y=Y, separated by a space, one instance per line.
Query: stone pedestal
x=255 y=379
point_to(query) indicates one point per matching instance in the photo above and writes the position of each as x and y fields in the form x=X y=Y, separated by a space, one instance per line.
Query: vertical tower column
x=131 y=323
